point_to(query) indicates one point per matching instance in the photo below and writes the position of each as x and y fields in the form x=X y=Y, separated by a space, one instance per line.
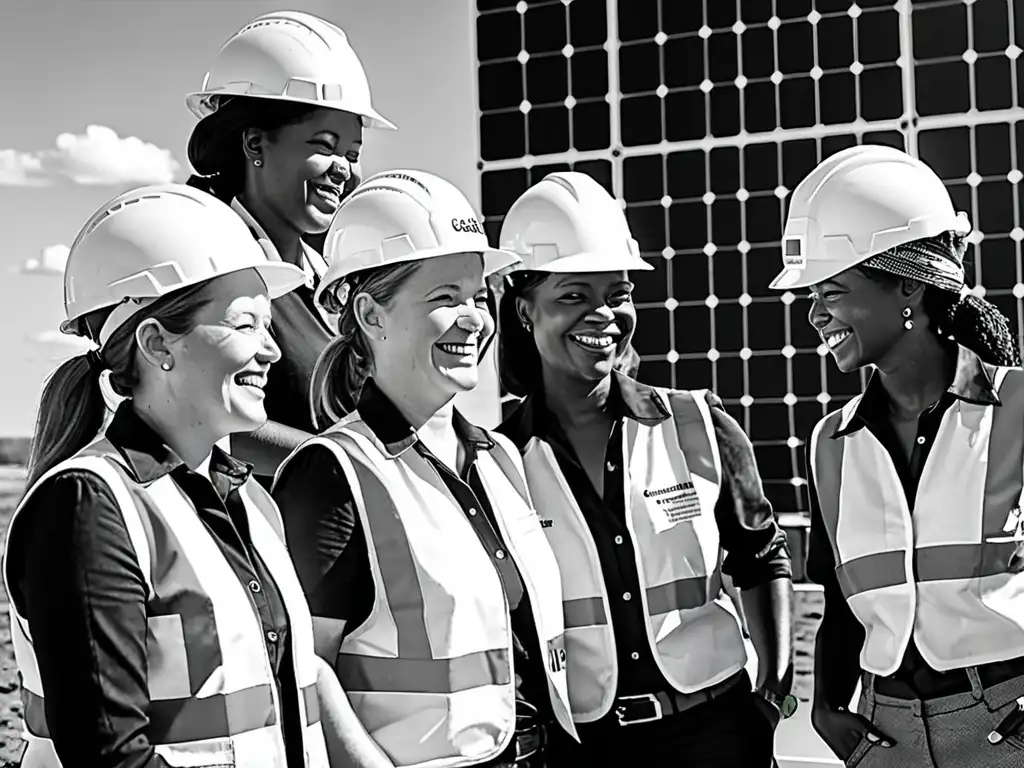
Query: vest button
x=618 y=539
x=627 y=596
x=500 y=554
x=254 y=585
x=272 y=636
x=634 y=656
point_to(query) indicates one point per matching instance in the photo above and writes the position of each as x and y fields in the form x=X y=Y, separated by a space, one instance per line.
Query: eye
x=324 y=144
x=481 y=299
x=572 y=298
x=444 y=298
x=620 y=297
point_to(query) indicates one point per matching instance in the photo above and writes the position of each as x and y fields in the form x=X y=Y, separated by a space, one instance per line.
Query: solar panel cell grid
x=703 y=116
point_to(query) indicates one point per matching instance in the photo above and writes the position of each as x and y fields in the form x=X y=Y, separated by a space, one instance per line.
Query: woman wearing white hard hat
x=642 y=488
x=434 y=593
x=156 y=616
x=915 y=485
x=282 y=112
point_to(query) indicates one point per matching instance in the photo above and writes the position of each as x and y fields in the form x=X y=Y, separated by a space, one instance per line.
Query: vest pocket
x=211 y=753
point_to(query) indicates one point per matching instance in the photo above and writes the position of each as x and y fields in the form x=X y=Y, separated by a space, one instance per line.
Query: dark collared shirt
x=76 y=579
x=327 y=541
x=756 y=546
x=972 y=383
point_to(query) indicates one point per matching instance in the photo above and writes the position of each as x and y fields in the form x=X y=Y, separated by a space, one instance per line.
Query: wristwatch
x=785 y=704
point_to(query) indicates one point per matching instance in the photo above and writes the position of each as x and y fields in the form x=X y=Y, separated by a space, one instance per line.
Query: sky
x=94 y=103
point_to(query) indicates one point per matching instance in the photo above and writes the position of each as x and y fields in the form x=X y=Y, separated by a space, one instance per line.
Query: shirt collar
x=394 y=431
x=313 y=264
x=627 y=398
x=973 y=382
x=149 y=458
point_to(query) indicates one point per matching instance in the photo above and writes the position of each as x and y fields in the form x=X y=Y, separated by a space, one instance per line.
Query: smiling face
x=859 y=317
x=220 y=367
x=581 y=322
x=427 y=339
x=305 y=167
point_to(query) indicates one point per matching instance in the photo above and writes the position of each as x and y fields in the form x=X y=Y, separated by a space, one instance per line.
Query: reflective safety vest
x=672 y=482
x=213 y=698
x=430 y=672
x=938 y=574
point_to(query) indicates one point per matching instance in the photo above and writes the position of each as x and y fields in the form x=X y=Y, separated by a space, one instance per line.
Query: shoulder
x=313 y=462
x=517 y=427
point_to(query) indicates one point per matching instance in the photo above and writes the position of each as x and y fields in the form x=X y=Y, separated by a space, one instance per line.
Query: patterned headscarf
x=934 y=261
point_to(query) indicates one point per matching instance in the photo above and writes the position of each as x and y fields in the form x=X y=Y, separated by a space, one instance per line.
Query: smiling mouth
x=330 y=195
x=252 y=381
x=457 y=350
x=833 y=340
x=593 y=342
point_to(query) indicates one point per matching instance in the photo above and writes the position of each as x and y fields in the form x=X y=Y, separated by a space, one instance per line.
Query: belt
x=949 y=683
x=648 y=707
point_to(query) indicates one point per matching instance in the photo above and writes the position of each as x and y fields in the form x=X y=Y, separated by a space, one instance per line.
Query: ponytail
x=71 y=413
x=974 y=323
x=347 y=361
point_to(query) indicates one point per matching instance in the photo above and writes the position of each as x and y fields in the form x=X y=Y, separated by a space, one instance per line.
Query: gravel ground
x=808 y=614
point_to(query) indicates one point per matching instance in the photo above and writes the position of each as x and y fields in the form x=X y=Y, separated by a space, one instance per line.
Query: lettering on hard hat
x=467 y=225
x=793 y=253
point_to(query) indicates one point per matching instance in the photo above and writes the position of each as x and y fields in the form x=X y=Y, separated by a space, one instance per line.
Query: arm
x=79 y=586
x=328 y=547
x=758 y=553
x=268 y=446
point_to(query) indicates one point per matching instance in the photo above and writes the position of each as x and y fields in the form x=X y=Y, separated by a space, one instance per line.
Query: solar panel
x=702 y=116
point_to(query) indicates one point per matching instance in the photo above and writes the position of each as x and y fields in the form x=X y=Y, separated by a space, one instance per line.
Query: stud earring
x=527 y=327
x=908 y=323
x=257 y=162
x=165 y=365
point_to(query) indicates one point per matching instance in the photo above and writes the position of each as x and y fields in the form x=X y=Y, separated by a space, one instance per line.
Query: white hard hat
x=567 y=222
x=404 y=215
x=153 y=240
x=289 y=56
x=859 y=203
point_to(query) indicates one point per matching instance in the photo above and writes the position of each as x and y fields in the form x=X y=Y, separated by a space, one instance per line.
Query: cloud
x=97 y=157
x=76 y=344
x=51 y=261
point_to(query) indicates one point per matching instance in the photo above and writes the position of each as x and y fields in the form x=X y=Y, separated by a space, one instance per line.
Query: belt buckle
x=620 y=712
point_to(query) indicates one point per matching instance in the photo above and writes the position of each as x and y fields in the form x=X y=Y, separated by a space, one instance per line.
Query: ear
x=912 y=291
x=152 y=341
x=525 y=310
x=253 y=140
x=369 y=315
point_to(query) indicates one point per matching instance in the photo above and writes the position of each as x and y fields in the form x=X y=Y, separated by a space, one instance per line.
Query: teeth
x=458 y=349
x=327 y=193
x=833 y=340
x=250 y=381
x=597 y=342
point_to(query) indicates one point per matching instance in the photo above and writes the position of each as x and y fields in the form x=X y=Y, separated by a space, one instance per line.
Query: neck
x=917 y=374
x=432 y=422
x=189 y=438
x=576 y=402
x=286 y=240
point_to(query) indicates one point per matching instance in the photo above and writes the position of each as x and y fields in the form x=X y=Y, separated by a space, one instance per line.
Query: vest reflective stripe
x=213 y=700
x=693 y=629
x=429 y=673
x=938 y=575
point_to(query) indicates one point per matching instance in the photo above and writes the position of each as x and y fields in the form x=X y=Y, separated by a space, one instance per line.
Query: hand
x=843 y=730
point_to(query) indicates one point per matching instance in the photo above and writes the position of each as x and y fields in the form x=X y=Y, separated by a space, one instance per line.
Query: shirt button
x=618 y=539
x=254 y=585
x=272 y=636
x=472 y=512
x=634 y=656
x=627 y=596
x=920 y=440
x=500 y=554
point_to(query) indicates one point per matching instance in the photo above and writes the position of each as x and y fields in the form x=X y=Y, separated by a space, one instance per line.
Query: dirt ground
x=808 y=614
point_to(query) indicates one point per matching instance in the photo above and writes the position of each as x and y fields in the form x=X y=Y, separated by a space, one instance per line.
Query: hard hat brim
x=804 y=277
x=279 y=277
x=196 y=103
x=580 y=263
